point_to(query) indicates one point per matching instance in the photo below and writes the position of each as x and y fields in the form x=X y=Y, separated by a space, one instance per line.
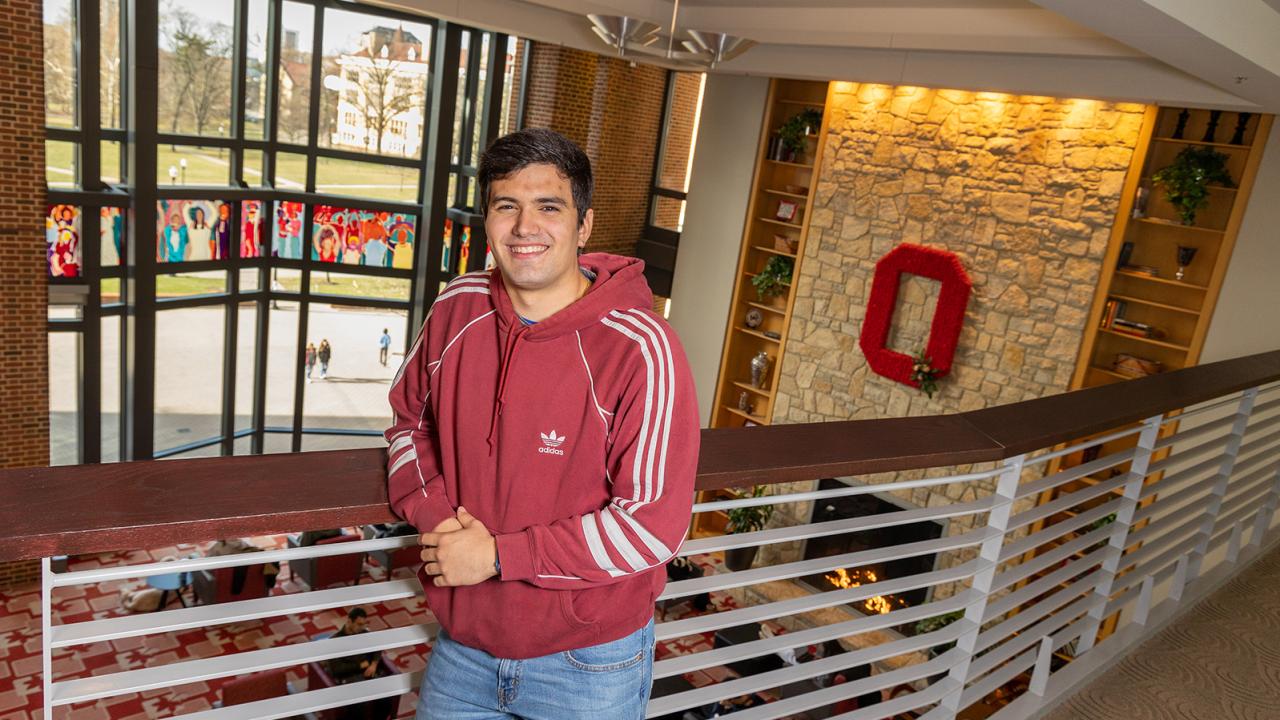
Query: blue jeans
x=610 y=681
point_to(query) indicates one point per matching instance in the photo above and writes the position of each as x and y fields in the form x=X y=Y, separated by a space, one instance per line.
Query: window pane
x=477 y=119
x=61 y=164
x=253 y=223
x=188 y=389
x=286 y=280
x=187 y=165
x=516 y=48
x=362 y=286
x=667 y=213
x=681 y=127
x=366 y=180
x=315 y=441
x=252 y=171
x=350 y=390
x=255 y=72
x=375 y=81
x=214 y=450
x=295 y=72
x=192 y=230
x=209 y=282
x=283 y=360
x=110 y=293
x=64 y=398
x=109 y=67
x=246 y=350
x=362 y=237
x=286 y=233
x=291 y=171
x=110 y=162
x=110 y=411
x=277 y=442
x=62 y=240
x=60 y=74
x=249 y=279
x=111 y=236
x=195 y=67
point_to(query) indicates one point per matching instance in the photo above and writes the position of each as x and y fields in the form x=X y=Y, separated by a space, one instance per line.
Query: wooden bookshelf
x=1179 y=309
x=776 y=180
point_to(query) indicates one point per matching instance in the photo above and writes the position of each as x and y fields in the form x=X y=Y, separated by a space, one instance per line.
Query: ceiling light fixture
x=620 y=31
x=717 y=47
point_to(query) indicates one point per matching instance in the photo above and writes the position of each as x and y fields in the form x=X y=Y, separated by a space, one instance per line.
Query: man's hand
x=464 y=556
x=447 y=525
x=370 y=670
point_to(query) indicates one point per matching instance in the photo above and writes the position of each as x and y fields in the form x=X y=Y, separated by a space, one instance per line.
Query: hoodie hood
x=619 y=285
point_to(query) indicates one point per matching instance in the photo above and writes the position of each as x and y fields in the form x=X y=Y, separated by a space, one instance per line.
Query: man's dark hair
x=513 y=153
x=356 y=612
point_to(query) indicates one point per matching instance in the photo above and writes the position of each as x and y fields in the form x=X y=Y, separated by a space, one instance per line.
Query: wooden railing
x=91 y=508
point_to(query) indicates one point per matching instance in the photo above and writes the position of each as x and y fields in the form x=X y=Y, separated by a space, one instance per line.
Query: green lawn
x=212 y=166
x=181 y=285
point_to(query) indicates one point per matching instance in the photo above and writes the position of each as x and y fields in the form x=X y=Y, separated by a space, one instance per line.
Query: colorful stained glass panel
x=287 y=231
x=62 y=238
x=363 y=237
x=193 y=230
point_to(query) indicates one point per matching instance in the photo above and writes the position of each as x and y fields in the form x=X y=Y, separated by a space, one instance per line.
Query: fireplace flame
x=879 y=604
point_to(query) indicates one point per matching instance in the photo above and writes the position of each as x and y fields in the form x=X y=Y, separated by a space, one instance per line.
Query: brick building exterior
x=24 y=412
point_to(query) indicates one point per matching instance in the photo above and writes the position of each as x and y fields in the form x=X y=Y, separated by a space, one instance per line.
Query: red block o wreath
x=944 y=331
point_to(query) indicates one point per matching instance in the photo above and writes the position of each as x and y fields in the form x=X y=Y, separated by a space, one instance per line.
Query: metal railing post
x=1144 y=601
x=46 y=623
x=1229 y=453
x=1268 y=510
x=1120 y=529
x=989 y=555
x=1040 y=676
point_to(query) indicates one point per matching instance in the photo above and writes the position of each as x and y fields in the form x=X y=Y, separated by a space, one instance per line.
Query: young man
x=545 y=442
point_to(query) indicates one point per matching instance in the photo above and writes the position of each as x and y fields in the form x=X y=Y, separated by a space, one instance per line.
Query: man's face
x=533 y=228
x=358 y=625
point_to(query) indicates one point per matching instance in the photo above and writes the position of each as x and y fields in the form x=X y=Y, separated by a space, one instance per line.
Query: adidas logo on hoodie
x=551 y=444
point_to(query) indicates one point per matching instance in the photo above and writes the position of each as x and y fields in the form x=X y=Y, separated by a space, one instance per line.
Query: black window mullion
x=317 y=92
x=239 y=66
x=90 y=96
x=139 y=285
x=275 y=15
x=261 y=332
x=495 y=77
x=298 y=356
x=230 y=355
x=437 y=144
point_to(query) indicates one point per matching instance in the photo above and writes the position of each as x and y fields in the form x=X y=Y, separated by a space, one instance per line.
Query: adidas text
x=550 y=451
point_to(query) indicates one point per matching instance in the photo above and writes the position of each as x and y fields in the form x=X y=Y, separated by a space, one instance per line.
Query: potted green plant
x=1186 y=180
x=744 y=520
x=794 y=133
x=773 y=278
x=937 y=622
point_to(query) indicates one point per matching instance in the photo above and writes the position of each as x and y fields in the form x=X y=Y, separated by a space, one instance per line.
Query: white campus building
x=389 y=62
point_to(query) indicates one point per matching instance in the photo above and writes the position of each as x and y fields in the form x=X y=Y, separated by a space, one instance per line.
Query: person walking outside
x=324 y=353
x=384 y=347
x=310 y=359
x=545 y=440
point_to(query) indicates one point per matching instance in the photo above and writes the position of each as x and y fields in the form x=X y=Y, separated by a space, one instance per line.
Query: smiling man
x=545 y=442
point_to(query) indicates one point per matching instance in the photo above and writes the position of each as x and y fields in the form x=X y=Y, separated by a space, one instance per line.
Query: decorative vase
x=1182 y=124
x=759 y=366
x=1242 y=121
x=744 y=402
x=1185 y=255
x=1211 y=132
x=736 y=559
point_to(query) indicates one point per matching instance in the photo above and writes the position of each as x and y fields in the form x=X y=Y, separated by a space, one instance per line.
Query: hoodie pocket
x=571 y=616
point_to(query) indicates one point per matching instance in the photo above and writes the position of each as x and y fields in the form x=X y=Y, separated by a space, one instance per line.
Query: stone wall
x=24 y=413
x=1022 y=189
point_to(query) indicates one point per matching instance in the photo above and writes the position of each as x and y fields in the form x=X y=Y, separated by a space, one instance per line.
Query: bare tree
x=380 y=98
x=109 y=64
x=200 y=69
x=60 y=67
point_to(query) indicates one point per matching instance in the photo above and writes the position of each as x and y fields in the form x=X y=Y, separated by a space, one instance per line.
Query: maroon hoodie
x=574 y=440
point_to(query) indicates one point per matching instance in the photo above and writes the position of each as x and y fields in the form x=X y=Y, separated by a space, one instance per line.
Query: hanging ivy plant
x=1186 y=181
x=772 y=280
x=794 y=131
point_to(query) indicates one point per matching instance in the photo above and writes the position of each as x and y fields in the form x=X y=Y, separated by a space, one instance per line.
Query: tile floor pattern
x=20 y=683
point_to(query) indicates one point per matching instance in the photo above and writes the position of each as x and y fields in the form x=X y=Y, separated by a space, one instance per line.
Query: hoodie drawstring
x=508 y=358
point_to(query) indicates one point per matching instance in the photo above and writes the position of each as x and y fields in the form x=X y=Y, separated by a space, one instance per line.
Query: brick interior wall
x=1024 y=190
x=613 y=110
x=24 y=412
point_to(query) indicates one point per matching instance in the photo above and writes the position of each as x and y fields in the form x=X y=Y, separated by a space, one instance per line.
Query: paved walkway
x=1220 y=661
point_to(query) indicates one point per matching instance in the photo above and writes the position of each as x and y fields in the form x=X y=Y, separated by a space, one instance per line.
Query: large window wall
x=262 y=176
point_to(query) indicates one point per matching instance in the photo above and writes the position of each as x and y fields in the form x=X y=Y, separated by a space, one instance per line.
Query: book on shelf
x=1145 y=270
x=1112 y=310
x=1145 y=330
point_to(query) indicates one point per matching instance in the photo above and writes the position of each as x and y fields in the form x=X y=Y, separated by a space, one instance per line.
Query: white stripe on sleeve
x=596 y=545
x=620 y=541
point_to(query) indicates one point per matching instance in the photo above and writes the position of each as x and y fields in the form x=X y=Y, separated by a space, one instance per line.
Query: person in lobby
x=355 y=668
x=522 y=517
